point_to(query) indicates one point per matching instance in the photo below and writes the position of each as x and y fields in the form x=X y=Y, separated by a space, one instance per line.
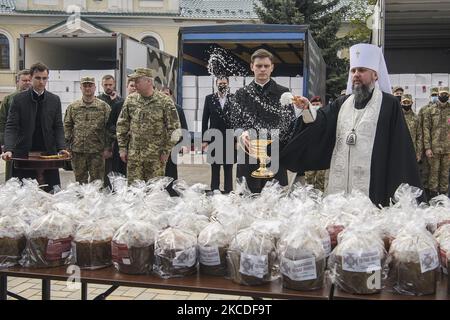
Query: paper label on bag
x=209 y=256
x=58 y=249
x=120 y=253
x=255 y=266
x=428 y=260
x=326 y=243
x=361 y=262
x=186 y=258
x=299 y=270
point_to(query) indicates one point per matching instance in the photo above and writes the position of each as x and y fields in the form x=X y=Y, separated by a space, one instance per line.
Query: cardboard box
x=62 y=86
x=189 y=81
x=248 y=80
x=189 y=92
x=69 y=75
x=189 y=104
x=422 y=92
x=283 y=81
x=423 y=79
x=395 y=79
x=236 y=82
x=296 y=82
x=204 y=81
x=297 y=92
x=439 y=79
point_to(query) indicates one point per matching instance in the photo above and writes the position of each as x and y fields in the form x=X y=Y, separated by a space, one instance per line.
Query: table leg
x=84 y=291
x=3 y=287
x=46 y=287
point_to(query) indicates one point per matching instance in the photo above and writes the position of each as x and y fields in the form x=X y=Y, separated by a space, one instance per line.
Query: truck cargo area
x=72 y=53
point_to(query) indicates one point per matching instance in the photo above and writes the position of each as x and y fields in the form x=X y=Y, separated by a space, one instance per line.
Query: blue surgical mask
x=434 y=99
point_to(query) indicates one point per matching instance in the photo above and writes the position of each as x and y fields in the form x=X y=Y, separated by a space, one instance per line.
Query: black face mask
x=399 y=98
x=222 y=88
x=443 y=99
x=406 y=107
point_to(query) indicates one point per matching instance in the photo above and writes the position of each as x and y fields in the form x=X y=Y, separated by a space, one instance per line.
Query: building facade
x=155 y=22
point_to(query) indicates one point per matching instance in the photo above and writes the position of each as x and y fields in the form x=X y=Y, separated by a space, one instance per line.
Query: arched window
x=4 y=52
x=151 y=41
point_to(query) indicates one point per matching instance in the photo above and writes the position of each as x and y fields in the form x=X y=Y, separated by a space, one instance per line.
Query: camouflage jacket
x=4 y=109
x=421 y=115
x=87 y=128
x=145 y=125
x=436 y=128
x=412 y=120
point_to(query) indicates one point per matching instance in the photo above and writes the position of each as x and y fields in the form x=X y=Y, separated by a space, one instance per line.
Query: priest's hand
x=429 y=153
x=7 y=155
x=301 y=102
x=245 y=138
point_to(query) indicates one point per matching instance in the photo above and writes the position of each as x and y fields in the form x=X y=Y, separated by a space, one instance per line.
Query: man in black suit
x=257 y=108
x=214 y=112
x=35 y=124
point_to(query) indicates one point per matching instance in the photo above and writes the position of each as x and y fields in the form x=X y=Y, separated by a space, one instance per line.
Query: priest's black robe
x=393 y=157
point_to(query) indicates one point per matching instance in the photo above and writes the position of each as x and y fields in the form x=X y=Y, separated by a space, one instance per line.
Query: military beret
x=443 y=90
x=141 y=72
x=407 y=97
x=87 y=80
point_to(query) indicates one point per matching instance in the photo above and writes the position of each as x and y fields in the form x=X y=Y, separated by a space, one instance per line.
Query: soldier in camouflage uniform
x=437 y=143
x=23 y=82
x=412 y=120
x=145 y=129
x=88 y=133
x=424 y=165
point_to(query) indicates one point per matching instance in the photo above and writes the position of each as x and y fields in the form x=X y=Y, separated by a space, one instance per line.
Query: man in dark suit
x=35 y=124
x=257 y=108
x=214 y=111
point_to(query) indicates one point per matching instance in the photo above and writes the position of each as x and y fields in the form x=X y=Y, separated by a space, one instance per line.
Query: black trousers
x=51 y=177
x=257 y=184
x=172 y=172
x=228 y=177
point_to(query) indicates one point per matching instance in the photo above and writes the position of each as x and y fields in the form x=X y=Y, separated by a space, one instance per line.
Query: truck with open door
x=71 y=56
x=299 y=64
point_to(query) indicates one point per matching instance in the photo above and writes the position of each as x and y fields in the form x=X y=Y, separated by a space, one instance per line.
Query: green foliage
x=324 y=18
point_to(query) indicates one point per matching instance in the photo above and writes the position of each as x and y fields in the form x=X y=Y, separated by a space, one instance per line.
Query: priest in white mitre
x=361 y=137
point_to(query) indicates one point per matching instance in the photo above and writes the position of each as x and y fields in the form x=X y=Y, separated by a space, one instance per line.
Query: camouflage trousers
x=144 y=169
x=439 y=167
x=317 y=178
x=88 y=167
x=424 y=170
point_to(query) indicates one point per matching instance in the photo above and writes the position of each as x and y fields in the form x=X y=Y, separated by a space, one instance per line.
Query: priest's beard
x=362 y=92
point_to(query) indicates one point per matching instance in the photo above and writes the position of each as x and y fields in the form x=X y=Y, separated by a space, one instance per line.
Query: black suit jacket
x=214 y=117
x=213 y=114
x=22 y=119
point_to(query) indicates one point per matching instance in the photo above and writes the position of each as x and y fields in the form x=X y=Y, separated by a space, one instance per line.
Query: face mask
x=406 y=107
x=443 y=99
x=434 y=99
x=222 y=88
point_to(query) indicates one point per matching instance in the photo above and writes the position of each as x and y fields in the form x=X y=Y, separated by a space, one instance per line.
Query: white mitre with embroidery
x=363 y=55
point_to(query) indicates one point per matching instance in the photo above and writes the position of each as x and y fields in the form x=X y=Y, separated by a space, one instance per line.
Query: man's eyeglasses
x=41 y=78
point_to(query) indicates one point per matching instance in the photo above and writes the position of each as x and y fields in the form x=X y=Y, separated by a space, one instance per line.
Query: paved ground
x=31 y=288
